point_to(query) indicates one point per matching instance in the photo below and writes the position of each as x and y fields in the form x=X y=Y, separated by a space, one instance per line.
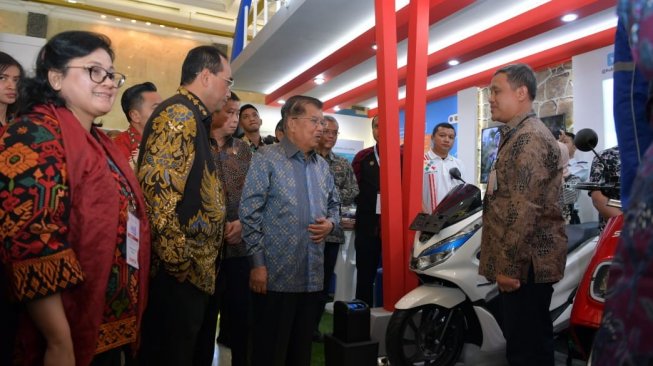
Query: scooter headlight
x=599 y=282
x=442 y=250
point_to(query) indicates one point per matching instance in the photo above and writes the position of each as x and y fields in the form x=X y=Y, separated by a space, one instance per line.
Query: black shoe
x=318 y=337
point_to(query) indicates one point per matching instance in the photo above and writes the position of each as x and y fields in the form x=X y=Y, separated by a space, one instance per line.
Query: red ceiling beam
x=517 y=29
x=539 y=60
x=359 y=50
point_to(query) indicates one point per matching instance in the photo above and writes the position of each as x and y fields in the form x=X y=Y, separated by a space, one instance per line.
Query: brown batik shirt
x=522 y=217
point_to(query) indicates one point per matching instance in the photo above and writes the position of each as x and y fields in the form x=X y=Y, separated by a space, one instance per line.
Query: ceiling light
x=117 y=19
x=375 y=47
x=72 y=1
x=591 y=25
x=319 y=80
x=148 y=23
x=162 y=26
x=569 y=17
x=133 y=21
x=336 y=108
x=281 y=101
x=359 y=28
x=453 y=62
x=103 y=16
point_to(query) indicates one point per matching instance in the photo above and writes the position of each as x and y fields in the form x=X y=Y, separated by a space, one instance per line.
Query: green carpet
x=326 y=327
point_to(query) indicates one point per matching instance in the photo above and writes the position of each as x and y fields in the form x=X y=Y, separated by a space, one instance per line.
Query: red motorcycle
x=589 y=301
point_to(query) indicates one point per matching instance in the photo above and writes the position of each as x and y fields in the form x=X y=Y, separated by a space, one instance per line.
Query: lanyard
x=512 y=131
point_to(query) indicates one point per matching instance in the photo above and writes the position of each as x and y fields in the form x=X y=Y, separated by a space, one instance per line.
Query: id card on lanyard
x=378 y=195
x=133 y=238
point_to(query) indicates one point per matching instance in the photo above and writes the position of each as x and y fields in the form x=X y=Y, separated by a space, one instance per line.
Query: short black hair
x=200 y=58
x=246 y=107
x=570 y=134
x=520 y=75
x=132 y=98
x=234 y=97
x=55 y=55
x=279 y=126
x=443 y=125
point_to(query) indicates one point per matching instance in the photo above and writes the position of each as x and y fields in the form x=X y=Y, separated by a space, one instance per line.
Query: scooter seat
x=579 y=233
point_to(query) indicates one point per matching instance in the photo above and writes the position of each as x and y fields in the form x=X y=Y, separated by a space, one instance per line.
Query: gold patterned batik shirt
x=183 y=193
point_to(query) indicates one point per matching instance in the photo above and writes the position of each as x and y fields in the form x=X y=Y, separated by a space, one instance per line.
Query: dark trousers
x=368 y=256
x=330 y=257
x=235 y=309
x=527 y=324
x=283 y=328
x=174 y=316
x=205 y=344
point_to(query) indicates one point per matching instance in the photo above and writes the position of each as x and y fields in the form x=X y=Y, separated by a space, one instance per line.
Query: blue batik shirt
x=284 y=192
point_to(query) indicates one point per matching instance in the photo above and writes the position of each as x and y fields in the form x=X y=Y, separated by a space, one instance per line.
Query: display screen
x=489 y=147
x=555 y=123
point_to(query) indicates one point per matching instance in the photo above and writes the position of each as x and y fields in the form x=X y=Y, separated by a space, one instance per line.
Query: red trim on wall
x=537 y=61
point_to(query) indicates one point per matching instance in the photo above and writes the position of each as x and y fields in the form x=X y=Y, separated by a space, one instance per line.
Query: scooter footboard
x=447 y=297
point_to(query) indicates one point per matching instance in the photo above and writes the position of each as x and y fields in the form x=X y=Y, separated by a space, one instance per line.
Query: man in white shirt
x=579 y=168
x=437 y=163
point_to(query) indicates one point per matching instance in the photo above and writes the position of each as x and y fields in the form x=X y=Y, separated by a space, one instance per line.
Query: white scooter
x=454 y=305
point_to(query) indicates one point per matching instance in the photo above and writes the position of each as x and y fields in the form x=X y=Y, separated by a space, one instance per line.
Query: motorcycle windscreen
x=461 y=202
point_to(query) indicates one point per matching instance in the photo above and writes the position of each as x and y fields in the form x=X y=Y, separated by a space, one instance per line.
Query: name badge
x=378 y=203
x=133 y=237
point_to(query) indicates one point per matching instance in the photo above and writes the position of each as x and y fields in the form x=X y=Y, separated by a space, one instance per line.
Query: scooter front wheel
x=428 y=335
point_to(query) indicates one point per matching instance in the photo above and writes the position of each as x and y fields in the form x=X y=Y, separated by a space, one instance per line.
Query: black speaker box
x=351 y=321
x=339 y=353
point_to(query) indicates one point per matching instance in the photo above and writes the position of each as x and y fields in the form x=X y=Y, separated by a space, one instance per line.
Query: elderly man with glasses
x=343 y=176
x=289 y=206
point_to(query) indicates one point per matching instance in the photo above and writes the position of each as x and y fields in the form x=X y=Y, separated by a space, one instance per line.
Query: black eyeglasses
x=331 y=132
x=99 y=75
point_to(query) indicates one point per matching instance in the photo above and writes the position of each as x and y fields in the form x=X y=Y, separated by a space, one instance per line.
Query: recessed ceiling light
x=103 y=16
x=117 y=19
x=375 y=47
x=319 y=80
x=336 y=108
x=281 y=101
x=133 y=21
x=148 y=23
x=569 y=17
x=453 y=62
x=162 y=26
x=72 y=1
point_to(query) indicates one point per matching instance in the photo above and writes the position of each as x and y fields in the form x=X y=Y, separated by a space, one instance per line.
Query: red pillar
x=418 y=38
x=391 y=201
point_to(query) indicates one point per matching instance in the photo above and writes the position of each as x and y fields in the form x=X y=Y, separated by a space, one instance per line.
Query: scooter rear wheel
x=429 y=335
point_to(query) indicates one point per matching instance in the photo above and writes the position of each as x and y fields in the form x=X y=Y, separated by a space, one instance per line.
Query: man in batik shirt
x=345 y=181
x=185 y=207
x=524 y=245
x=288 y=207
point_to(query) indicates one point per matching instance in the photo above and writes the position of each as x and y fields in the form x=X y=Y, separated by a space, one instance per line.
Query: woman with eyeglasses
x=10 y=74
x=75 y=235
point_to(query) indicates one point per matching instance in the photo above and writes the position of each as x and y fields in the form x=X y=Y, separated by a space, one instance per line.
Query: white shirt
x=579 y=168
x=437 y=181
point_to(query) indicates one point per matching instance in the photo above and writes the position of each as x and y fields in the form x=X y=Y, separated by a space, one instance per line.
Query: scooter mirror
x=586 y=139
x=455 y=174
